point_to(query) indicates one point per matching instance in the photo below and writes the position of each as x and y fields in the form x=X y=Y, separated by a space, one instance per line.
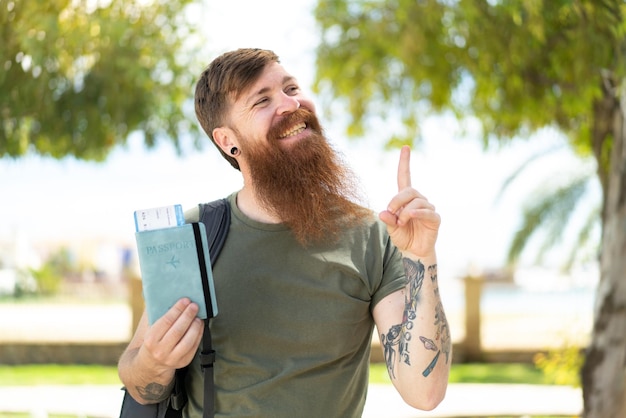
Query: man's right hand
x=147 y=366
x=172 y=341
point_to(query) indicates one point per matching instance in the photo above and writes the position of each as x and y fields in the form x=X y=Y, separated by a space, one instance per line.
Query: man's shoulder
x=193 y=214
x=369 y=231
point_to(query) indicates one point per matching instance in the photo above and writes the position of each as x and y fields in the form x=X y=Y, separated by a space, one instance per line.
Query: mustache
x=300 y=115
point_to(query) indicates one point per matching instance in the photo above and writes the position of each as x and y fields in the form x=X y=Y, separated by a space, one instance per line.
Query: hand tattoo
x=154 y=392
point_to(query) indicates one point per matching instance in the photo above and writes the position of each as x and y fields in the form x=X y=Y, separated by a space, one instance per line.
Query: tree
x=77 y=77
x=516 y=66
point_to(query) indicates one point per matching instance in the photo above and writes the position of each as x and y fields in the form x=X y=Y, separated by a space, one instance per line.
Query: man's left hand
x=411 y=220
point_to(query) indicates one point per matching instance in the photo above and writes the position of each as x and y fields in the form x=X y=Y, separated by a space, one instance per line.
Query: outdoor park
x=515 y=114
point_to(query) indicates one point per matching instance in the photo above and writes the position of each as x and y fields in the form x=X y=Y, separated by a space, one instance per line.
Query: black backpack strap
x=178 y=397
x=207 y=359
x=216 y=218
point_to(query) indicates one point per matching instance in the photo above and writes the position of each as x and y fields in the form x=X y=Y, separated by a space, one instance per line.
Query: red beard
x=307 y=185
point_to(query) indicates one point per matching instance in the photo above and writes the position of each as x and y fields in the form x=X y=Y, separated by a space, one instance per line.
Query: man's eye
x=261 y=101
x=292 y=90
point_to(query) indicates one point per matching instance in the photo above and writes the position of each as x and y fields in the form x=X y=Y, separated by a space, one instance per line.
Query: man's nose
x=288 y=104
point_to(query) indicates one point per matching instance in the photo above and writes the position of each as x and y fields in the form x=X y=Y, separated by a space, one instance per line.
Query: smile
x=294 y=130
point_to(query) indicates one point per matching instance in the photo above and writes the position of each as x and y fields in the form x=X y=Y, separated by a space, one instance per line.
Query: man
x=305 y=272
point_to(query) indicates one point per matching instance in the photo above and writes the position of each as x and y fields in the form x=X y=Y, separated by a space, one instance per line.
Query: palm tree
x=564 y=206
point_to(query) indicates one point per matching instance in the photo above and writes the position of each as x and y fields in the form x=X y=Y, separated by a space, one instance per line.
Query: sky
x=90 y=205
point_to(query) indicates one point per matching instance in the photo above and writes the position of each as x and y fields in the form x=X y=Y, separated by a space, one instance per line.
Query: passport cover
x=173 y=262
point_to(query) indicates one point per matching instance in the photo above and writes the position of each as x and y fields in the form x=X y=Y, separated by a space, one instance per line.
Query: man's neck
x=249 y=204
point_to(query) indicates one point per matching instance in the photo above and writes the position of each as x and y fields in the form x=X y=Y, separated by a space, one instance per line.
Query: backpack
x=216 y=218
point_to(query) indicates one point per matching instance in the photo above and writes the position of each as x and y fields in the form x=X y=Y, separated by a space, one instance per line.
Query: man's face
x=293 y=169
x=265 y=111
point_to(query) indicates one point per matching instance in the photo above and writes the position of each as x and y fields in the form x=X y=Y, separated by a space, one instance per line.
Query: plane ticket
x=158 y=218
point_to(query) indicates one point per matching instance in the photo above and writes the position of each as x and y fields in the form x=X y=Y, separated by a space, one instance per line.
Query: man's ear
x=224 y=138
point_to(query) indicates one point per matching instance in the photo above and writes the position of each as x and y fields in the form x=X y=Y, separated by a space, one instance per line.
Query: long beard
x=307 y=185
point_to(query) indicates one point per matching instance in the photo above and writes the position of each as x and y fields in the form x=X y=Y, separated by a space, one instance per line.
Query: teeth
x=294 y=130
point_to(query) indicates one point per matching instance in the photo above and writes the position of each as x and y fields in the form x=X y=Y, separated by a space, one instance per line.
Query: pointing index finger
x=404 y=169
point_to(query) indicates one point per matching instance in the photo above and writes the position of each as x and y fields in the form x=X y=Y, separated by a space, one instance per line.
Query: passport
x=175 y=263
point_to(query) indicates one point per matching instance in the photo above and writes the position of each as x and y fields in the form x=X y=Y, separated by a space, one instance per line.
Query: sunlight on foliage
x=77 y=77
x=561 y=366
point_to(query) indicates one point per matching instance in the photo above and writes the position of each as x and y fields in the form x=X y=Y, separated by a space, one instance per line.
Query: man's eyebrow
x=286 y=79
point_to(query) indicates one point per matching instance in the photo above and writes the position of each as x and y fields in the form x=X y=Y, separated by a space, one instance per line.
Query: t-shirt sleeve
x=192 y=214
x=393 y=276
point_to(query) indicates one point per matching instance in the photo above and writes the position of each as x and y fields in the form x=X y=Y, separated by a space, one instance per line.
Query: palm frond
x=592 y=223
x=549 y=214
x=524 y=166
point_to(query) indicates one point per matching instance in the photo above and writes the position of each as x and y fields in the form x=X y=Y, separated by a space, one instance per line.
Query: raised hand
x=412 y=222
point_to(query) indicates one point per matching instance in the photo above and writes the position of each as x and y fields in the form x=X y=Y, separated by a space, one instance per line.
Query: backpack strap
x=216 y=218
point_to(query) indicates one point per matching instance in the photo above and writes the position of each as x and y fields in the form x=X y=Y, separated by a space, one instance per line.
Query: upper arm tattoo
x=396 y=341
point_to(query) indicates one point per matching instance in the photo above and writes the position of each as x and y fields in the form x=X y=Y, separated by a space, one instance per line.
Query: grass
x=496 y=373
x=28 y=415
x=477 y=373
x=52 y=374
x=19 y=415
x=61 y=299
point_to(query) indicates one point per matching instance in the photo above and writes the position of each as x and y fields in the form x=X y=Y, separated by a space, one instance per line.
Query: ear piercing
x=234 y=151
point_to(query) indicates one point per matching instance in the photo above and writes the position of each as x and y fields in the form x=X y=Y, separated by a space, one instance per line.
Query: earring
x=234 y=151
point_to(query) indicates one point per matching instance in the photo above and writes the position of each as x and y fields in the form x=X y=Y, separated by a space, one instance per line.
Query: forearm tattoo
x=154 y=392
x=396 y=341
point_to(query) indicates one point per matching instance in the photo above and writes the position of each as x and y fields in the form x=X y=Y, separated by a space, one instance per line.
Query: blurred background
x=97 y=122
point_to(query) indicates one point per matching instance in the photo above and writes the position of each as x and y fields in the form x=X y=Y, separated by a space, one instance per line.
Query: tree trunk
x=604 y=371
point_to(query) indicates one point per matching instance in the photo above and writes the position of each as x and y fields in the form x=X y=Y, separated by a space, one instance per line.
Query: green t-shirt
x=294 y=328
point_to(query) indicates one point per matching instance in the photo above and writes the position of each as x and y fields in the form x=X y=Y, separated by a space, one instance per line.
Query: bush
x=561 y=366
x=48 y=280
x=25 y=283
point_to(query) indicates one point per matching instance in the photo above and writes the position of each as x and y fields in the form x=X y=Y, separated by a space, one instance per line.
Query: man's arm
x=147 y=366
x=415 y=337
x=414 y=331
